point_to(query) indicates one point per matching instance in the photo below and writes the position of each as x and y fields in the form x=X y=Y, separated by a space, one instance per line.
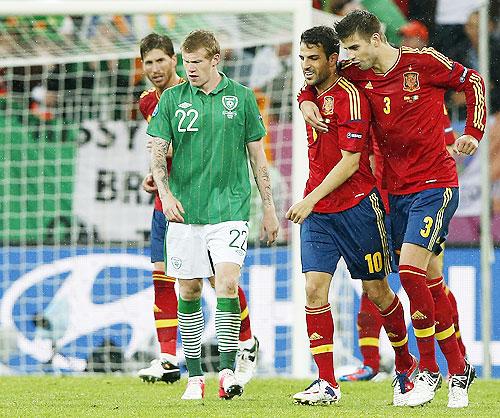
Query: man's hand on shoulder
x=312 y=116
x=466 y=144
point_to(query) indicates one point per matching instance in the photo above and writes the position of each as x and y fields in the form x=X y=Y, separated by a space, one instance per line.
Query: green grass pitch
x=119 y=396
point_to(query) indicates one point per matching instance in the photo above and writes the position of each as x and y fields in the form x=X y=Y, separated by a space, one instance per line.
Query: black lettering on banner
x=83 y=136
x=132 y=185
x=132 y=129
x=106 y=186
x=109 y=137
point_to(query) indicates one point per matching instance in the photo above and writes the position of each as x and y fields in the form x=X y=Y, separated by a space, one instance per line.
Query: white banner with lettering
x=111 y=163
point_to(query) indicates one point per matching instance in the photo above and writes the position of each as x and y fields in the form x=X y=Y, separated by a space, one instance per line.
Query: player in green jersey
x=214 y=126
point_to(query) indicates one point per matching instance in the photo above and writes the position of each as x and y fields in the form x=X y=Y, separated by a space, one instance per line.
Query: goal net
x=75 y=276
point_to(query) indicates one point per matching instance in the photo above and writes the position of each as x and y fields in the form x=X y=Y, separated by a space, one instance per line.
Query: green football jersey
x=209 y=134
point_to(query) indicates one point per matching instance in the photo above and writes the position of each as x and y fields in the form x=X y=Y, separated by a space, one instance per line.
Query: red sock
x=445 y=330
x=165 y=311
x=320 y=330
x=245 y=328
x=454 y=309
x=414 y=283
x=369 y=324
x=395 y=326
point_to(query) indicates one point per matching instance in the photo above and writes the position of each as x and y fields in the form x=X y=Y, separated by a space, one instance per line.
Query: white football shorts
x=192 y=250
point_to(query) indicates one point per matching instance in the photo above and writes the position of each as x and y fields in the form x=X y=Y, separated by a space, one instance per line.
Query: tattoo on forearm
x=268 y=196
x=159 y=164
x=265 y=174
x=263 y=181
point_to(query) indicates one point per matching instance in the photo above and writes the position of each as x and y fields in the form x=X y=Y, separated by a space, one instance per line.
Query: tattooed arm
x=258 y=161
x=172 y=208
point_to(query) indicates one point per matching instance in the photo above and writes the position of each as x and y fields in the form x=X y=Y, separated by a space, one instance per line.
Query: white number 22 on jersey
x=192 y=115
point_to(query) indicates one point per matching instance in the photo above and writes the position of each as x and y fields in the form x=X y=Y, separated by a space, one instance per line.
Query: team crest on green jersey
x=229 y=103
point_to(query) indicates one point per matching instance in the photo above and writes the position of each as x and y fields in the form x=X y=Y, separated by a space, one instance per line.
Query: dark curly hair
x=324 y=36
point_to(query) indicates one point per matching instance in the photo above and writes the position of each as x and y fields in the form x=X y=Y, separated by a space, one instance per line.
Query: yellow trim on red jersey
x=480 y=102
x=443 y=59
x=146 y=92
x=329 y=88
x=354 y=100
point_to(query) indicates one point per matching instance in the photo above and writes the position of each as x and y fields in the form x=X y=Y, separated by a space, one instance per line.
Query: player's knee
x=316 y=293
x=190 y=289
x=434 y=269
x=227 y=288
x=379 y=293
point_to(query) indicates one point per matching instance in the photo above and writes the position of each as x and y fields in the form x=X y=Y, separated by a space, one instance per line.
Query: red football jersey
x=147 y=104
x=407 y=105
x=347 y=113
x=378 y=160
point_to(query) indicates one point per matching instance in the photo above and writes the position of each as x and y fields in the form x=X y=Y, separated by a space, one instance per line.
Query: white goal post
x=301 y=18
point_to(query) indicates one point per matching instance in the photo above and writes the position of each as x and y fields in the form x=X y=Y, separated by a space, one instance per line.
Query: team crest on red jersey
x=410 y=81
x=328 y=105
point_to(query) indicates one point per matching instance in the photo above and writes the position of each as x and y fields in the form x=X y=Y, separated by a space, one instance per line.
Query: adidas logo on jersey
x=185 y=105
x=315 y=336
x=369 y=85
x=418 y=315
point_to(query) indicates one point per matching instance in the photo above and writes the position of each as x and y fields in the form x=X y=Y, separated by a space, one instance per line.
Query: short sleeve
x=353 y=119
x=160 y=125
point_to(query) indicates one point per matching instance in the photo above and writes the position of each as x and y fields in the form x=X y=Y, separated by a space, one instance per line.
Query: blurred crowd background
x=47 y=101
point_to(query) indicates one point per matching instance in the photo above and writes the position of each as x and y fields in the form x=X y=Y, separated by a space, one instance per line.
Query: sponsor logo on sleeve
x=464 y=75
x=354 y=135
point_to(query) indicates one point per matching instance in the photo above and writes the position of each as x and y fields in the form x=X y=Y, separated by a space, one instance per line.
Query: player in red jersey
x=406 y=90
x=341 y=215
x=369 y=321
x=414 y=34
x=159 y=62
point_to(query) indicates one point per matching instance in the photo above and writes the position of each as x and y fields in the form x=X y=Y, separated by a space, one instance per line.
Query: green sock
x=191 y=327
x=227 y=327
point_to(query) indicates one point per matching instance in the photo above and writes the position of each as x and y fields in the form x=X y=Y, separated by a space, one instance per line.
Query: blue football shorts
x=422 y=218
x=158 y=226
x=357 y=234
